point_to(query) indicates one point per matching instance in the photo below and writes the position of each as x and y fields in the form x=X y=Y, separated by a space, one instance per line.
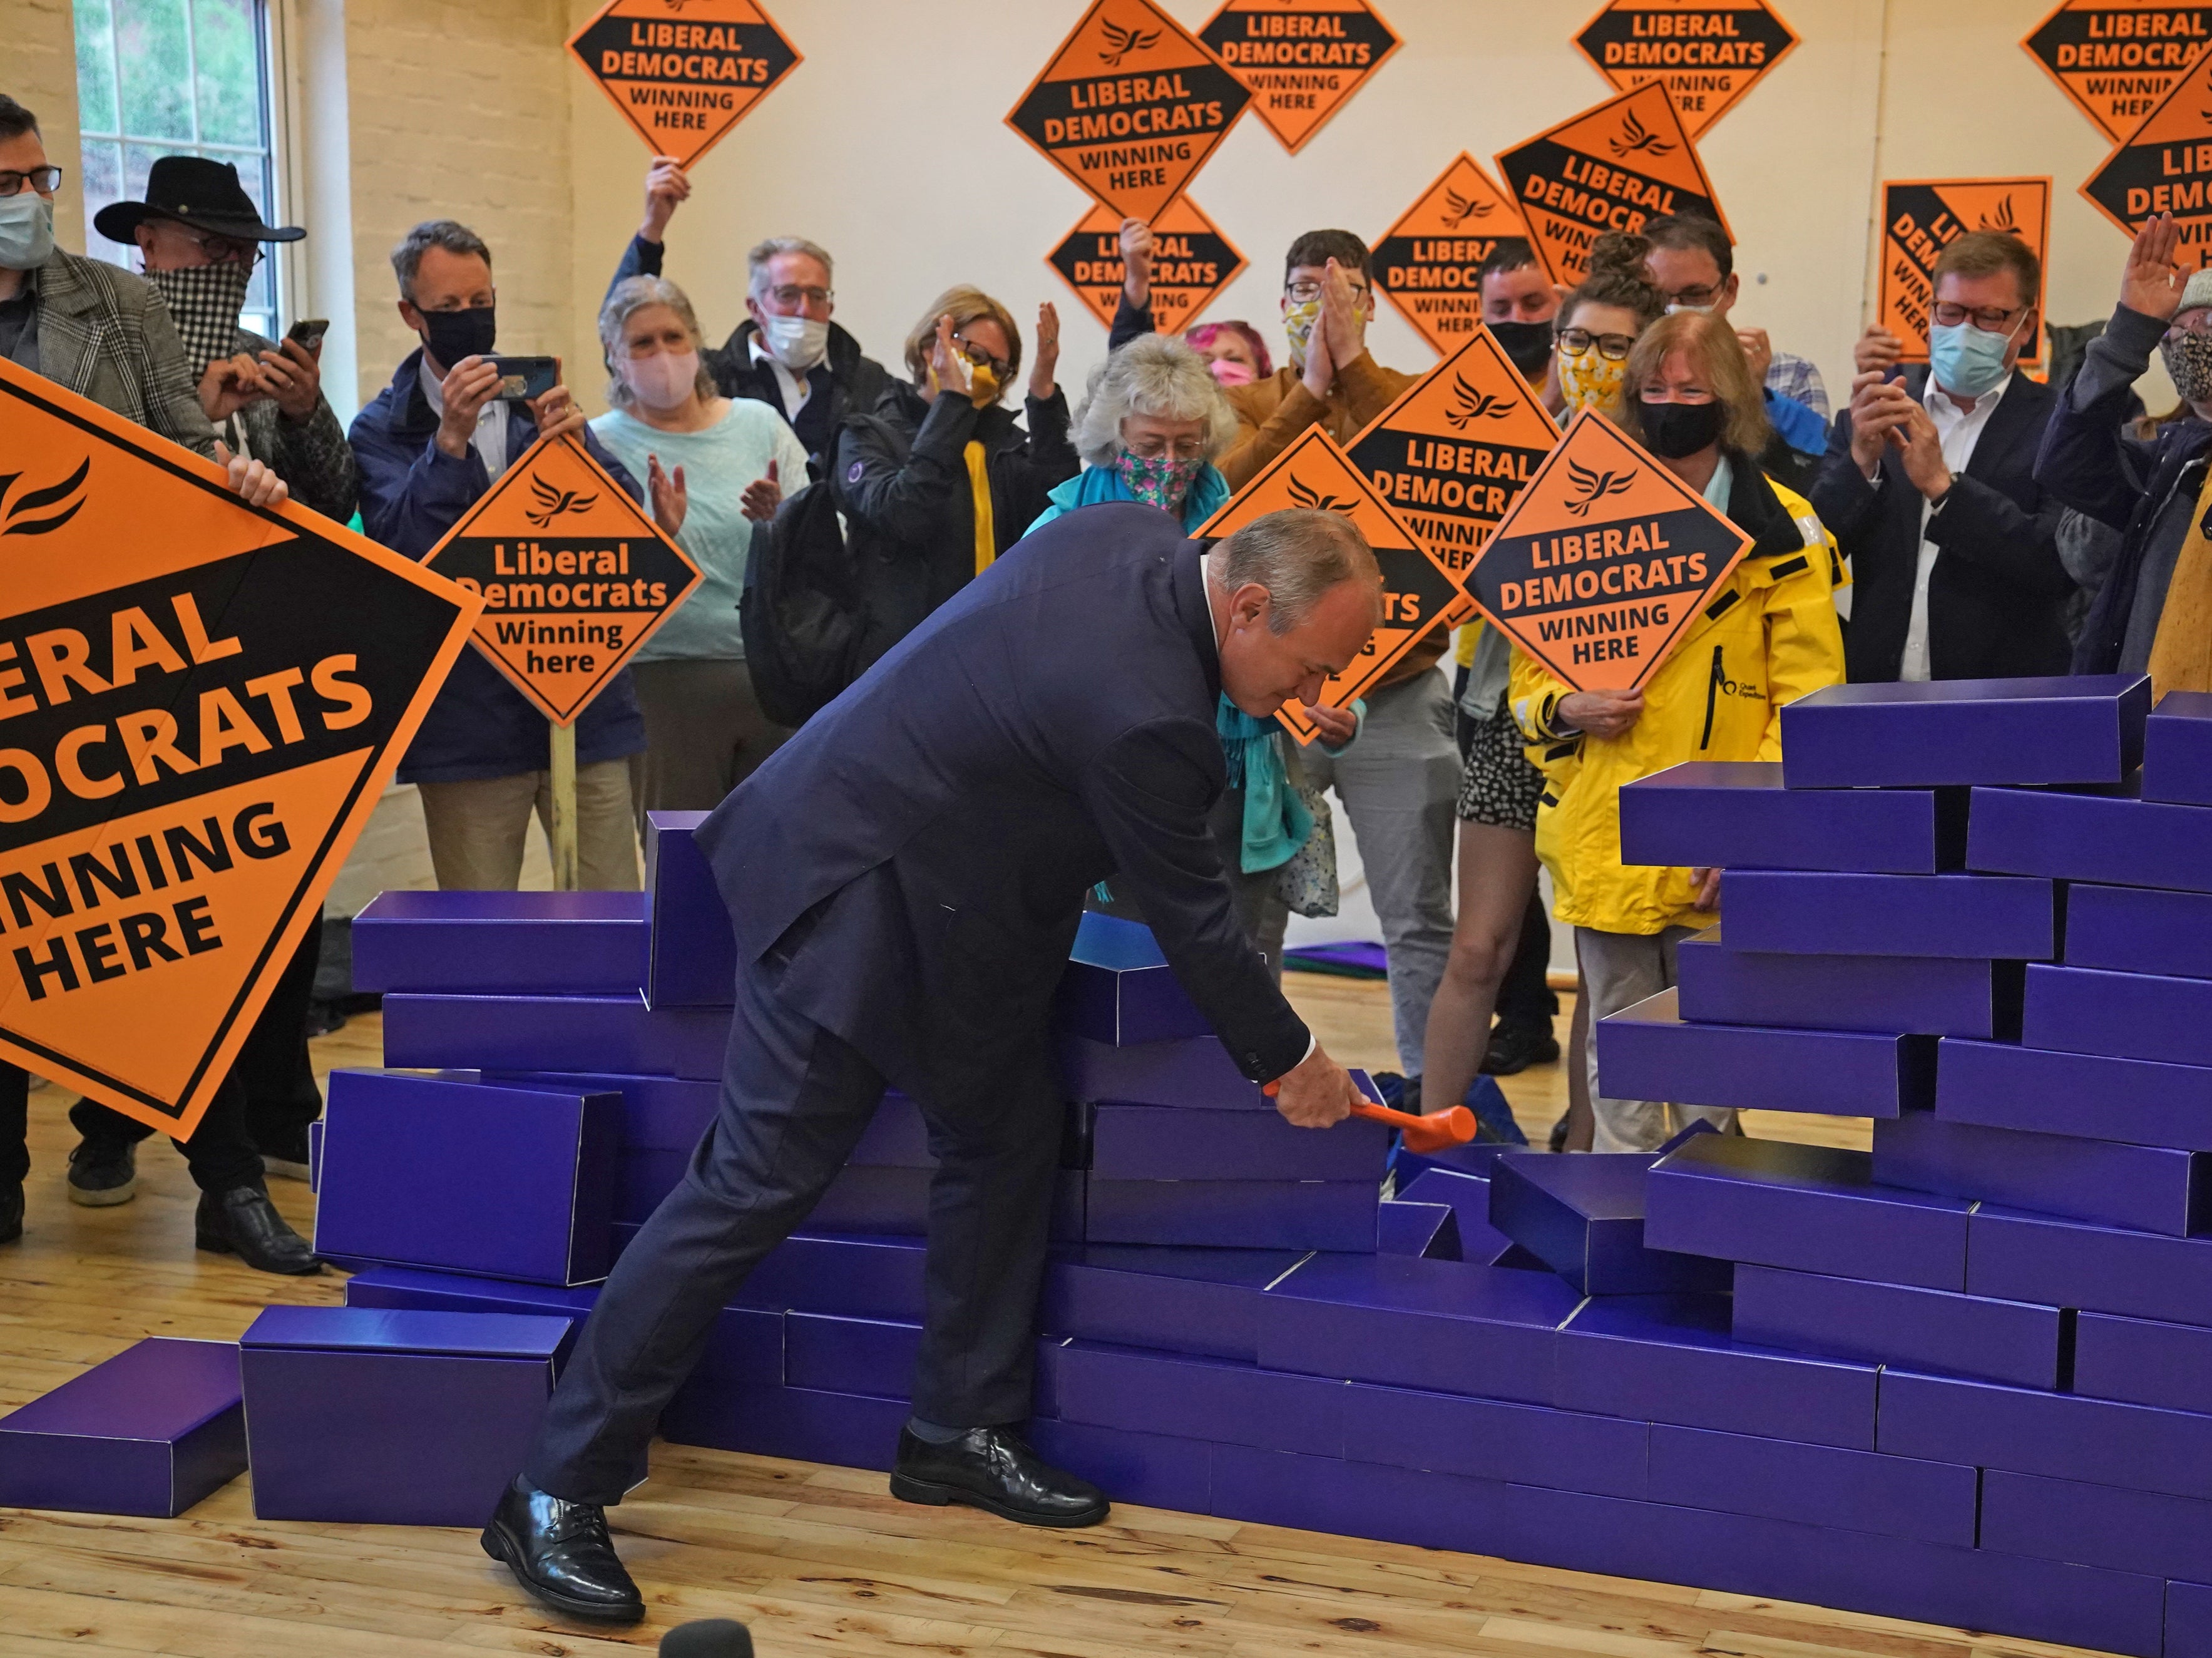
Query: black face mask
x=1528 y=345
x=1672 y=430
x=454 y=335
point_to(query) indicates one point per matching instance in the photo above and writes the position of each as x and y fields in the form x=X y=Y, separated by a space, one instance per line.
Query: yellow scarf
x=2181 y=651
x=978 y=484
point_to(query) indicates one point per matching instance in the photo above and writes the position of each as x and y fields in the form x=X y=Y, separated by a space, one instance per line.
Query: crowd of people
x=1958 y=518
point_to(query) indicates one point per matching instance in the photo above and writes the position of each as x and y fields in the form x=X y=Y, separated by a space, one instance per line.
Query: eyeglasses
x=1613 y=348
x=793 y=295
x=1990 y=319
x=1000 y=367
x=223 y=250
x=43 y=180
x=1153 y=446
x=1674 y=394
x=1304 y=292
x=1705 y=295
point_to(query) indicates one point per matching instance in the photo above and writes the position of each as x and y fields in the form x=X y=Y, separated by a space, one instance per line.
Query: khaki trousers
x=477 y=829
x=1620 y=970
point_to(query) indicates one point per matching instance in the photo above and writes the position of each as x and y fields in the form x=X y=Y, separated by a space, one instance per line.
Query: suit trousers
x=795 y=1100
x=1399 y=783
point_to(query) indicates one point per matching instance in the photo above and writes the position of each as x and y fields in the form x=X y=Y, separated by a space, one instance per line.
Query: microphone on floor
x=709 y=1637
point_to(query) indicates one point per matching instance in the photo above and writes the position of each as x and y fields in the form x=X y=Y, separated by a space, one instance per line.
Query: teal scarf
x=1276 y=822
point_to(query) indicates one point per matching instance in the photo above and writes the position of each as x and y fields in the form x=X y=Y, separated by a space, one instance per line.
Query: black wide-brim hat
x=193 y=190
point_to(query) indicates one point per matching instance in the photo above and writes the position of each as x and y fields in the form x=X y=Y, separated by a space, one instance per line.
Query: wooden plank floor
x=816 y=1559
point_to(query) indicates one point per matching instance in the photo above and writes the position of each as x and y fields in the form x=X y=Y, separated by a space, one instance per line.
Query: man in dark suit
x=905 y=877
x=1930 y=488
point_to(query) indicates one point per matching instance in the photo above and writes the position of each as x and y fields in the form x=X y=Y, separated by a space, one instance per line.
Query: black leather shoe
x=11 y=1211
x=1514 y=1047
x=102 y=1173
x=993 y=1469
x=242 y=1222
x=560 y=1552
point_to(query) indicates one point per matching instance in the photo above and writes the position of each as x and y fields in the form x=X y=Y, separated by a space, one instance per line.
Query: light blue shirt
x=719 y=464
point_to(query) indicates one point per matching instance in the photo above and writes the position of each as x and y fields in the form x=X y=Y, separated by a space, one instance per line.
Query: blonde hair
x=1712 y=347
x=629 y=296
x=964 y=303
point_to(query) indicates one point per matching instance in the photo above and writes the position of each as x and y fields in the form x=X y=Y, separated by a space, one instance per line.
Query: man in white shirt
x=1929 y=485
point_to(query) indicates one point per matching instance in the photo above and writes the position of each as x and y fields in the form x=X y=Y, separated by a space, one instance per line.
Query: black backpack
x=801 y=615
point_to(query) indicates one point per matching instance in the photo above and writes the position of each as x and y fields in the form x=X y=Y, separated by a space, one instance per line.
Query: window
x=169 y=78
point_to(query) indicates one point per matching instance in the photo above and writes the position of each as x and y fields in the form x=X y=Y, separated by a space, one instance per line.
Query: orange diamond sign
x=1192 y=262
x=1427 y=263
x=1706 y=54
x=2165 y=166
x=1130 y=106
x=1417 y=589
x=202 y=702
x=684 y=72
x=1920 y=217
x=1611 y=168
x=573 y=577
x=2117 y=58
x=1302 y=58
x=1453 y=452
x=1604 y=561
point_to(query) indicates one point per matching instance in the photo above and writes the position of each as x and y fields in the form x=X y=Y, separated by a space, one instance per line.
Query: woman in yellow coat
x=1767 y=636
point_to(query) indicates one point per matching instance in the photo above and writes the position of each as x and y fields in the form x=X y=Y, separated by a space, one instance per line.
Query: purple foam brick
x=2141 y=1101
x=2137 y=930
x=1583 y=1218
x=1194 y=1301
x=2079 y=728
x=150 y=1431
x=546 y=943
x=2135 y=1016
x=694 y=956
x=2142 y=1362
x=2176 y=761
x=1650 y=1052
x=1735 y=814
x=2013 y=1341
x=2102 y=835
x=554 y=1033
x=1975 y=917
x=1909 y=995
x=1815 y=1484
x=2151 y=1189
x=1168 y=1143
x=1119 y=989
x=1337 y=1215
x=2109 y=1269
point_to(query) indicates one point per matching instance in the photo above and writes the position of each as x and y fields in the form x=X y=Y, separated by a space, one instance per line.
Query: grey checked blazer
x=105 y=334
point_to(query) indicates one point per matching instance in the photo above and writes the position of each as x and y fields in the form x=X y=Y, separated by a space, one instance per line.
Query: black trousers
x=1525 y=997
x=795 y=1100
x=268 y=1097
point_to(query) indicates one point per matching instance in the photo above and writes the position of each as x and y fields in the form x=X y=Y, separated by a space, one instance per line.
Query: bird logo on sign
x=552 y=502
x=1594 y=487
x=1121 y=42
x=42 y=512
x=1469 y=405
x=2002 y=220
x=1459 y=208
x=1633 y=137
x=1313 y=500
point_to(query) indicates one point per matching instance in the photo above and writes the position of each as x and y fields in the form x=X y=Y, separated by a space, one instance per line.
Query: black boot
x=1514 y=1047
x=102 y=1172
x=560 y=1552
x=993 y=1469
x=11 y=1211
x=244 y=1223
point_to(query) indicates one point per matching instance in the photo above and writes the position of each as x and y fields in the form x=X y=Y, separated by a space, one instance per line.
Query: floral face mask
x=1591 y=380
x=1160 y=481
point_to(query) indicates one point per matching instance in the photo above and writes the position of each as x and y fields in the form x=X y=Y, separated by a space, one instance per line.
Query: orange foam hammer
x=1439 y=1131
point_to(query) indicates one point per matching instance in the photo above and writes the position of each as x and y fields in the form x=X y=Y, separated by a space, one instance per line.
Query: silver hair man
x=1296 y=554
x=756 y=261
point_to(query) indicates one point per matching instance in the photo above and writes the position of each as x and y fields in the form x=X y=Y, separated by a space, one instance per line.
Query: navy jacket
x=412 y=494
x=913 y=863
x=1997 y=593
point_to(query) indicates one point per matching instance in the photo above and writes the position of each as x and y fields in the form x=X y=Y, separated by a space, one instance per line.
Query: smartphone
x=308 y=332
x=522 y=378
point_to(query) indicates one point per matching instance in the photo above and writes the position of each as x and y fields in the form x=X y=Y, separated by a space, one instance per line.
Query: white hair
x=1153 y=374
x=756 y=283
x=1298 y=555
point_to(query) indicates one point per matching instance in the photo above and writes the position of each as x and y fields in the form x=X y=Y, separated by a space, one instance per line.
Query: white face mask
x=664 y=380
x=1678 y=308
x=797 y=343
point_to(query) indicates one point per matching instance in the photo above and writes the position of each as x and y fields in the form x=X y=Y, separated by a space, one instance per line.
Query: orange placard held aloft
x=202 y=702
x=1707 y=55
x=2165 y=166
x=573 y=577
x=684 y=72
x=2117 y=58
x=1452 y=454
x=1426 y=264
x=1920 y=217
x=1192 y=262
x=1611 y=168
x=1302 y=58
x=1417 y=589
x=1604 y=561
x=1130 y=106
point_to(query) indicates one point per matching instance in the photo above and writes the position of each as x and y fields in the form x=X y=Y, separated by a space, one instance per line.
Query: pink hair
x=1203 y=335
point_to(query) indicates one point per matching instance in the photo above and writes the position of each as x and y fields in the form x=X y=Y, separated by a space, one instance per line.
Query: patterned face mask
x=1298 y=325
x=2188 y=365
x=1160 y=481
x=1589 y=379
x=205 y=300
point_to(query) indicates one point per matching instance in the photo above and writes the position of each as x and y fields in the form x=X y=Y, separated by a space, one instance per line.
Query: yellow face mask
x=982 y=385
x=1591 y=380
x=1298 y=326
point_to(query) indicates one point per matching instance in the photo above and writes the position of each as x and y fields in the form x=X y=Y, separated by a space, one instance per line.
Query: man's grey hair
x=456 y=239
x=756 y=283
x=629 y=297
x=1298 y=555
x=1154 y=374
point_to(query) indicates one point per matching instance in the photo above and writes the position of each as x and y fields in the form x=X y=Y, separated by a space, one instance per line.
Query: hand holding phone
x=525 y=380
x=307 y=332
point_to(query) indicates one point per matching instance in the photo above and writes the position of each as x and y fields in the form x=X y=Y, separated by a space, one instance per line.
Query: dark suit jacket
x=913 y=862
x=1997 y=594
